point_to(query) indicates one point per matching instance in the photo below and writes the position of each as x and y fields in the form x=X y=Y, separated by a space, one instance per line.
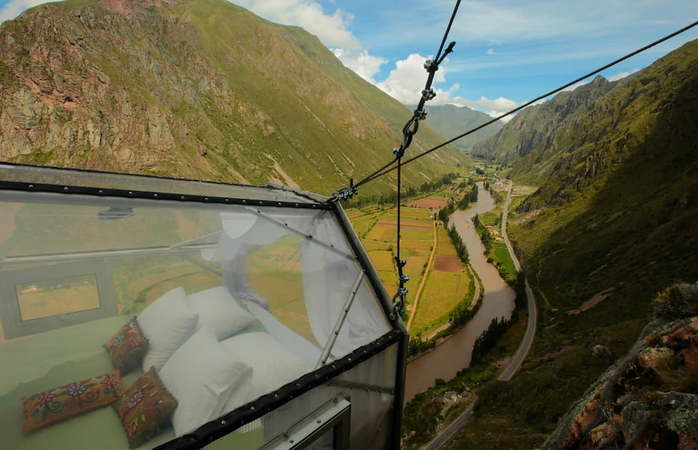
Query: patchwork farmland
x=377 y=229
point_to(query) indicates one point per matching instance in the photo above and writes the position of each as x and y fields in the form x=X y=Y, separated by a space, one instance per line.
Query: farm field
x=447 y=281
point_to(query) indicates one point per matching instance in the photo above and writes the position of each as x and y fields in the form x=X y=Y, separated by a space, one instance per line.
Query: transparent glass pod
x=231 y=291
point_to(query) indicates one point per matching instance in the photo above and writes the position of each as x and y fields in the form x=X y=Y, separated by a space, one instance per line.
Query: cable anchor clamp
x=345 y=193
x=420 y=114
x=431 y=66
x=400 y=262
x=428 y=94
x=404 y=278
x=398 y=304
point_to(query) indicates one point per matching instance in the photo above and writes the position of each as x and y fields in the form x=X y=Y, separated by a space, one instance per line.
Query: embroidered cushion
x=144 y=408
x=66 y=401
x=127 y=347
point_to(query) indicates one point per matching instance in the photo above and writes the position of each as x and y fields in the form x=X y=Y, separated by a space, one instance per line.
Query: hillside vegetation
x=612 y=223
x=198 y=88
x=451 y=121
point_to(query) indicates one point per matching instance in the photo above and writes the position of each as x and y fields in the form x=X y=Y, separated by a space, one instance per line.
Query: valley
x=498 y=302
x=587 y=203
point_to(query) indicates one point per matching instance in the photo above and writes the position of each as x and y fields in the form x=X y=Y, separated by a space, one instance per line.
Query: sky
x=507 y=51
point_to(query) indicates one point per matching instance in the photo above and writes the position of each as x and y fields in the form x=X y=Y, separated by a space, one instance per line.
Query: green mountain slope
x=198 y=88
x=613 y=222
x=451 y=121
x=539 y=126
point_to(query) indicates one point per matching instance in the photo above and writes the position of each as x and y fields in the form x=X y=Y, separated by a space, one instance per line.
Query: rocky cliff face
x=538 y=126
x=191 y=88
x=650 y=398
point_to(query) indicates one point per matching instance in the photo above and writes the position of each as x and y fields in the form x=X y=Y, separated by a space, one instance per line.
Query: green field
x=503 y=259
x=442 y=289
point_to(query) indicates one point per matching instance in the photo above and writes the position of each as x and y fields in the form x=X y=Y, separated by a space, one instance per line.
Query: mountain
x=538 y=125
x=612 y=223
x=200 y=89
x=451 y=121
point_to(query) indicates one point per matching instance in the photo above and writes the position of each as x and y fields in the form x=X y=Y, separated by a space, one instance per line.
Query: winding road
x=516 y=361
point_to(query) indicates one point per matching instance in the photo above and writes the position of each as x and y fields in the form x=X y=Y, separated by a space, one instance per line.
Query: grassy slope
x=452 y=120
x=240 y=95
x=631 y=228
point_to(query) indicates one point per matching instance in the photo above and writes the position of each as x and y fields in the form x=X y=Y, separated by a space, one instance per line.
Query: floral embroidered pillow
x=144 y=408
x=127 y=347
x=69 y=400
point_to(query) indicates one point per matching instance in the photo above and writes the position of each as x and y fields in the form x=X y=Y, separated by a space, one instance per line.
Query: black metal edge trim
x=312 y=196
x=227 y=424
x=397 y=324
x=401 y=377
x=365 y=262
x=140 y=175
x=122 y=193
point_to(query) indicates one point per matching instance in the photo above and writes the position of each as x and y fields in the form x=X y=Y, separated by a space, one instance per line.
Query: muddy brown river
x=454 y=354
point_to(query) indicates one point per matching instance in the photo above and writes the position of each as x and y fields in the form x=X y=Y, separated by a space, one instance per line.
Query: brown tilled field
x=447 y=263
x=430 y=202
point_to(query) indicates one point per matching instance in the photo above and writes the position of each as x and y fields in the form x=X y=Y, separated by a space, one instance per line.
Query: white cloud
x=13 y=8
x=622 y=75
x=365 y=65
x=494 y=107
x=406 y=81
x=331 y=29
x=506 y=119
x=490 y=51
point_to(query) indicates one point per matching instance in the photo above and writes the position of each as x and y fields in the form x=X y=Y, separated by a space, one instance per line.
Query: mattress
x=57 y=358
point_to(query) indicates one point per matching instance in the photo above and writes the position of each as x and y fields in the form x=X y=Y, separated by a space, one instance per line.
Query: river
x=454 y=354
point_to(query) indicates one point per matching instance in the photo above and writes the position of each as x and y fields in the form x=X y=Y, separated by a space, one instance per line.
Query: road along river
x=454 y=354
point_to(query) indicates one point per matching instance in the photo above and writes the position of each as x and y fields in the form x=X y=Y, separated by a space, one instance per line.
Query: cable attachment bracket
x=448 y=50
x=398 y=304
x=399 y=297
x=431 y=66
x=344 y=193
x=428 y=94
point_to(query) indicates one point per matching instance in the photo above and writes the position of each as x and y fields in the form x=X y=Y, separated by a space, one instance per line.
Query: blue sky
x=507 y=52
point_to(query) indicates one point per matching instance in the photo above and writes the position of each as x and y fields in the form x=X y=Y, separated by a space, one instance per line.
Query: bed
x=62 y=356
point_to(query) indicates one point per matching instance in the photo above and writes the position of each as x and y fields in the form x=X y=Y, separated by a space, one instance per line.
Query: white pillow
x=167 y=323
x=201 y=375
x=219 y=312
x=273 y=366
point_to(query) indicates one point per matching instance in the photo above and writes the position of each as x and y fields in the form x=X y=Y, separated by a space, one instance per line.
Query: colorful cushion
x=66 y=401
x=144 y=408
x=167 y=323
x=127 y=347
x=219 y=312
